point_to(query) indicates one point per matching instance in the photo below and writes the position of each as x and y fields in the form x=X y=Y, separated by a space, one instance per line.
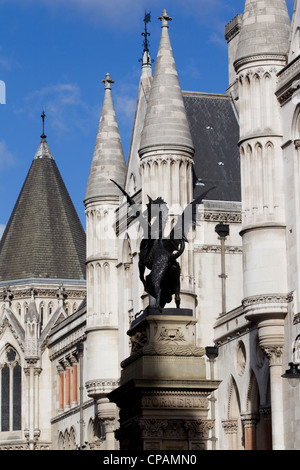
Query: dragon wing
x=187 y=219
x=135 y=209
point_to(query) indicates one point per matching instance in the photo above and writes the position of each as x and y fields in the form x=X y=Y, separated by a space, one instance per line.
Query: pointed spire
x=32 y=314
x=44 y=237
x=166 y=122
x=43 y=150
x=108 y=159
x=265 y=28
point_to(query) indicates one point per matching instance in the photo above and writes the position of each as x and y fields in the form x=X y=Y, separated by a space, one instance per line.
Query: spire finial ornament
x=108 y=81
x=147 y=20
x=165 y=19
x=43 y=115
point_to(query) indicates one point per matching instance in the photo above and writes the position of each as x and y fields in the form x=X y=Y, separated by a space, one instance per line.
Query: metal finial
x=165 y=19
x=108 y=81
x=43 y=136
x=147 y=20
x=146 y=56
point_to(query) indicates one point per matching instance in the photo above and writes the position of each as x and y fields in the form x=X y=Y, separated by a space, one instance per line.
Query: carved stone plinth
x=163 y=396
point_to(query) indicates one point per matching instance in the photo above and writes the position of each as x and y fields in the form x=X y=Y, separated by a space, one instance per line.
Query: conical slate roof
x=265 y=28
x=44 y=237
x=108 y=159
x=166 y=123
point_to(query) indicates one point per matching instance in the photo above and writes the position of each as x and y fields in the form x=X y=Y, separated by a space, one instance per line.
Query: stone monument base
x=163 y=395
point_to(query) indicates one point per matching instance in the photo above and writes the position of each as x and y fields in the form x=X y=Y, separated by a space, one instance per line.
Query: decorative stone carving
x=230 y=426
x=153 y=427
x=175 y=399
x=274 y=353
x=173 y=350
x=249 y=420
x=266 y=299
x=220 y=216
x=101 y=387
x=199 y=428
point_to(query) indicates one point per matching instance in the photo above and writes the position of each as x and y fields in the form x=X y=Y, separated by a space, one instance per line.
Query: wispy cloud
x=64 y=105
x=5 y=62
x=124 y=13
x=6 y=157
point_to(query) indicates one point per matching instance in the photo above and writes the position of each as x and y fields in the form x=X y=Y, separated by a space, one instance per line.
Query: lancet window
x=10 y=390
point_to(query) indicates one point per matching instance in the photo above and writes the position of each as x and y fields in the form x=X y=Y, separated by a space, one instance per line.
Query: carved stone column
x=268 y=312
x=60 y=371
x=265 y=413
x=67 y=384
x=107 y=413
x=230 y=427
x=249 y=421
x=274 y=353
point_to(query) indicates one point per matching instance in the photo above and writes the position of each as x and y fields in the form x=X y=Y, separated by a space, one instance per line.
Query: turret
x=261 y=54
x=101 y=201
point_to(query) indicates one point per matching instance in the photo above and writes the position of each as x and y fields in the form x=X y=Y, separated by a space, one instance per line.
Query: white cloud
x=6 y=157
x=125 y=106
x=125 y=13
x=63 y=105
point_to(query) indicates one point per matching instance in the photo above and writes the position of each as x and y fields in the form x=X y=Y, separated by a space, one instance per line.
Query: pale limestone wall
x=36 y=375
x=288 y=95
x=243 y=393
x=207 y=262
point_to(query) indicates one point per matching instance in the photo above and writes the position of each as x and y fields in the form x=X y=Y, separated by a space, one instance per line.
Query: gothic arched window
x=10 y=390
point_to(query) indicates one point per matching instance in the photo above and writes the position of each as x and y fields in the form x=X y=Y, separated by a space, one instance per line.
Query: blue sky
x=54 y=55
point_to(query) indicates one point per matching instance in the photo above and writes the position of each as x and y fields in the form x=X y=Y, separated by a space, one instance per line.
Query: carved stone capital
x=153 y=427
x=230 y=426
x=265 y=412
x=199 y=428
x=110 y=424
x=274 y=353
x=249 y=420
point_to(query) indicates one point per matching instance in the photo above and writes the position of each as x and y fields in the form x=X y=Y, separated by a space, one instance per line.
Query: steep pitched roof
x=165 y=122
x=108 y=159
x=44 y=237
x=215 y=132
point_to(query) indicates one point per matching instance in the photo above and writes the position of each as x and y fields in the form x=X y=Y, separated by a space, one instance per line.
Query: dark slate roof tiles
x=44 y=237
x=215 y=133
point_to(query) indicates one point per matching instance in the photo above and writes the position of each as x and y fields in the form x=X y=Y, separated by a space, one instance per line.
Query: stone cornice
x=267 y=299
x=232 y=217
x=232 y=250
x=258 y=136
x=246 y=61
x=101 y=387
x=20 y=294
x=286 y=79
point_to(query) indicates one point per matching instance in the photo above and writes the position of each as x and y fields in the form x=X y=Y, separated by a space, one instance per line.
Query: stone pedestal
x=163 y=396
